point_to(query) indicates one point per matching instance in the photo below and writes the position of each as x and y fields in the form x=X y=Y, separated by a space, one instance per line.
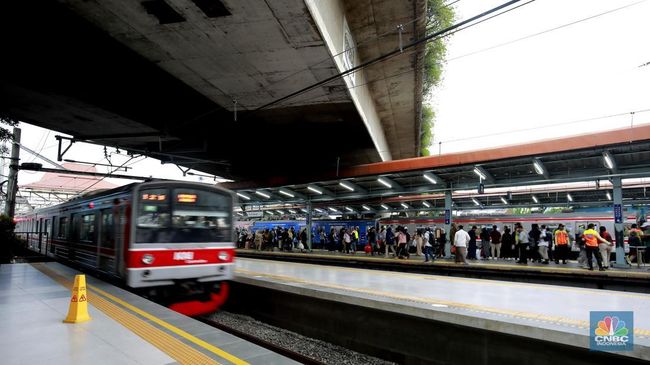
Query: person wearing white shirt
x=544 y=244
x=461 y=238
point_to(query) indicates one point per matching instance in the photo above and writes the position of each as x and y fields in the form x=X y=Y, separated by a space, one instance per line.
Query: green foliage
x=8 y=240
x=519 y=211
x=439 y=17
x=6 y=134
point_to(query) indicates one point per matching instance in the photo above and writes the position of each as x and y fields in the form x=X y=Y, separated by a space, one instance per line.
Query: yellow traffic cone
x=78 y=311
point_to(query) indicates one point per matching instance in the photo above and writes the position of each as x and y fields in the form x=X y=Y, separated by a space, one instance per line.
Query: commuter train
x=170 y=241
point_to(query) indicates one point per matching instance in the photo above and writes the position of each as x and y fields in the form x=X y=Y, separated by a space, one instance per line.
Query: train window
x=63 y=227
x=201 y=216
x=107 y=232
x=87 y=232
x=154 y=209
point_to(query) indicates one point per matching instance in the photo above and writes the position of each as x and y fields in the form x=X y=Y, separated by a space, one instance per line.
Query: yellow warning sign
x=78 y=311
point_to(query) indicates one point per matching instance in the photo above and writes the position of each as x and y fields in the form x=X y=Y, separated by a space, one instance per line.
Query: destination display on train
x=186 y=198
x=154 y=197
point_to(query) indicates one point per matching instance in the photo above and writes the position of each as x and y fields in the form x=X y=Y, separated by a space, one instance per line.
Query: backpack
x=432 y=239
x=634 y=239
x=549 y=237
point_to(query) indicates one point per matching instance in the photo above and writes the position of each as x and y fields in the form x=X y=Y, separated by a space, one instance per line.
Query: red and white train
x=171 y=241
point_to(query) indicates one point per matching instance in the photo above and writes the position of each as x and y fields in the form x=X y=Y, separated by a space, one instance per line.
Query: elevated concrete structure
x=169 y=78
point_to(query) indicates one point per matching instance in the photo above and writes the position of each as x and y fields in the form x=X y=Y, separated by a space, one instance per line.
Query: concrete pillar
x=12 y=184
x=618 y=227
x=309 y=225
x=448 y=214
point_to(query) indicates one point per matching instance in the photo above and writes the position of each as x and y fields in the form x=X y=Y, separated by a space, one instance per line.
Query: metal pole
x=448 y=222
x=309 y=225
x=12 y=187
x=618 y=224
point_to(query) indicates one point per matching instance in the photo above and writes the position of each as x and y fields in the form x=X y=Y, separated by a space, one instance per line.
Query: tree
x=6 y=134
x=439 y=17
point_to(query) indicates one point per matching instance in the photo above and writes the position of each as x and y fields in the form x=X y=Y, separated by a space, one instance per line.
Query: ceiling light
x=476 y=202
x=303 y=210
x=286 y=193
x=385 y=206
x=269 y=212
x=346 y=186
x=426 y=204
x=504 y=200
x=538 y=167
x=244 y=196
x=349 y=209
x=292 y=211
x=279 y=211
x=262 y=194
x=365 y=207
x=317 y=191
x=569 y=197
x=535 y=199
x=477 y=171
x=404 y=205
x=384 y=182
x=608 y=160
x=332 y=209
x=240 y=214
x=319 y=210
x=609 y=196
x=430 y=177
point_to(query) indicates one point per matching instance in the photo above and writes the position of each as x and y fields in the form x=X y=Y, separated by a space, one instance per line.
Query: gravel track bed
x=316 y=349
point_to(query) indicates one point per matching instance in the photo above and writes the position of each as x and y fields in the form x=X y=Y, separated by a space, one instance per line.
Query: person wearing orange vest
x=561 y=244
x=591 y=238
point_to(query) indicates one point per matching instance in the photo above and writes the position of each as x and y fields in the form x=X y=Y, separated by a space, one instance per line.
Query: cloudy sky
x=583 y=71
x=531 y=89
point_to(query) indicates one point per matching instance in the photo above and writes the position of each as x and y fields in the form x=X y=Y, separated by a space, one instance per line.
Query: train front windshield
x=183 y=215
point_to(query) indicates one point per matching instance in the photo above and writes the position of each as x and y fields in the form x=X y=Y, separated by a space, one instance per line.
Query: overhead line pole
x=12 y=186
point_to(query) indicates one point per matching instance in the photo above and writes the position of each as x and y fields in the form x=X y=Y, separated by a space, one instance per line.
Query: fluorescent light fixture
x=430 y=177
x=609 y=196
x=319 y=210
x=479 y=172
x=240 y=214
x=476 y=202
x=286 y=193
x=279 y=211
x=538 y=167
x=426 y=204
x=303 y=210
x=385 y=206
x=315 y=190
x=404 y=205
x=349 y=209
x=244 y=196
x=535 y=199
x=262 y=194
x=608 y=160
x=292 y=211
x=269 y=212
x=346 y=186
x=384 y=182
x=333 y=209
x=569 y=197
x=365 y=207
x=504 y=200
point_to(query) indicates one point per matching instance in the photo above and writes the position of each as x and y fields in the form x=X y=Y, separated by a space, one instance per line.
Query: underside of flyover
x=60 y=71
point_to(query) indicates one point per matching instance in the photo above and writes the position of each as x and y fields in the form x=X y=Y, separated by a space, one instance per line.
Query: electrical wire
x=545 y=31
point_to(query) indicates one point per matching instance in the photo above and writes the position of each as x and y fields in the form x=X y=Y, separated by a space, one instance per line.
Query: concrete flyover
x=197 y=82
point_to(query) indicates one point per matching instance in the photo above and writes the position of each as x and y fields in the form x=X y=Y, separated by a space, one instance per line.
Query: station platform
x=125 y=328
x=632 y=278
x=518 y=322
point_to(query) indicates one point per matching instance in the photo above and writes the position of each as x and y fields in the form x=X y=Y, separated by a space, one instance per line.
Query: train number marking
x=183 y=256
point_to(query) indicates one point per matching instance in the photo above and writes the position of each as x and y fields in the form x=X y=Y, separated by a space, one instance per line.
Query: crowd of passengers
x=540 y=244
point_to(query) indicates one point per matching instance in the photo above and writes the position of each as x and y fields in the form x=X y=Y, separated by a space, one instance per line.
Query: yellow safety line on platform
x=471 y=307
x=504 y=266
x=179 y=351
x=474 y=280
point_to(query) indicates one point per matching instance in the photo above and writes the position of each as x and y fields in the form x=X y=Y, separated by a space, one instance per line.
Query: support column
x=309 y=225
x=448 y=221
x=12 y=184
x=618 y=224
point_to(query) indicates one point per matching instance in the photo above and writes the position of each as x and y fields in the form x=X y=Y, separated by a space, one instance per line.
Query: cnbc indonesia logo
x=612 y=331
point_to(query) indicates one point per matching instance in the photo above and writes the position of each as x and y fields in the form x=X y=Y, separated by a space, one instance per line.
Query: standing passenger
x=461 y=239
x=372 y=241
x=544 y=243
x=495 y=244
x=523 y=244
x=508 y=244
x=592 y=238
x=561 y=244
x=428 y=247
x=485 y=244
x=605 y=248
x=390 y=241
x=471 y=247
x=418 y=242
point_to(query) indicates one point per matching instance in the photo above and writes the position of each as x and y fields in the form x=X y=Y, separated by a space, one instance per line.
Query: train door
x=106 y=248
x=40 y=234
x=47 y=232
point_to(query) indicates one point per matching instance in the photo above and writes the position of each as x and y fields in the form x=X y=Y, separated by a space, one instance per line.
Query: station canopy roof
x=572 y=171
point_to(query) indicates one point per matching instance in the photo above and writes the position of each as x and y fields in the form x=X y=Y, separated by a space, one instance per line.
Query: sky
x=583 y=71
x=539 y=86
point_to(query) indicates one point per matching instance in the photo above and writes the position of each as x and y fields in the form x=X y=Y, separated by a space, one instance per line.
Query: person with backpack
x=634 y=239
x=390 y=241
x=428 y=247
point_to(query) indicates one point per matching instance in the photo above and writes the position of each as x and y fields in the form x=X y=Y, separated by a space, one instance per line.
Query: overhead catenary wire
x=386 y=55
x=546 y=31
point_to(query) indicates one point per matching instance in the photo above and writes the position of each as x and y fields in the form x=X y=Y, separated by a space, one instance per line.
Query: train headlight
x=224 y=256
x=147 y=259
